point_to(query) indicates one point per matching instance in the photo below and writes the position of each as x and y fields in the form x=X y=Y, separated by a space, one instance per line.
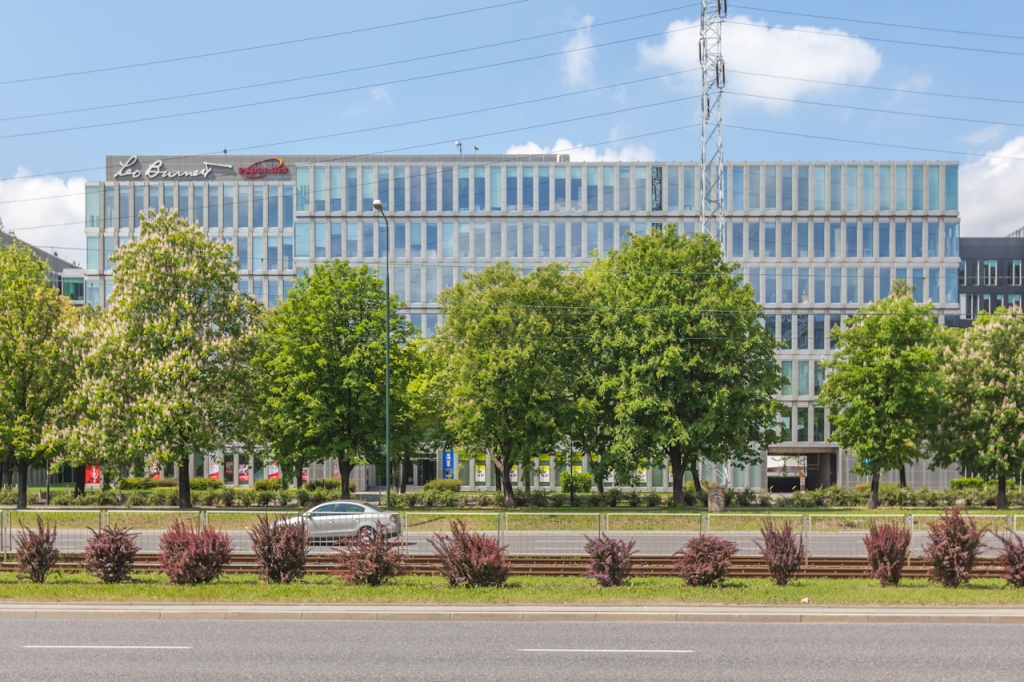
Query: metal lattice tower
x=712 y=205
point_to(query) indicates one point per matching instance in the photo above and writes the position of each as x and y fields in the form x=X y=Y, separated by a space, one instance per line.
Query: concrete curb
x=456 y=613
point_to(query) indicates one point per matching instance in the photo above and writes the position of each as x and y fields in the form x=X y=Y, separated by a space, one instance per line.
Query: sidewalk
x=532 y=613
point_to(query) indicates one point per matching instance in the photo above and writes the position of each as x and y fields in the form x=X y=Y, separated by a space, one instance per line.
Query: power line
x=345 y=71
x=879 y=40
x=262 y=46
x=324 y=93
x=884 y=23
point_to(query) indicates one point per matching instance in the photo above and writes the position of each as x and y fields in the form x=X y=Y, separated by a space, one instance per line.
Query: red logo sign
x=261 y=169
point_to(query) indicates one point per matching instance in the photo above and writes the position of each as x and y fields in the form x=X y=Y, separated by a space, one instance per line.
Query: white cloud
x=577 y=152
x=65 y=212
x=991 y=203
x=578 y=56
x=754 y=47
x=986 y=135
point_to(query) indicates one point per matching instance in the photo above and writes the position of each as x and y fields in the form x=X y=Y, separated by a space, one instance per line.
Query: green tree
x=497 y=364
x=37 y=360
x=982 y=415
x=170 y=373
x=883 y=384
x=322 y=369
x=694 y=370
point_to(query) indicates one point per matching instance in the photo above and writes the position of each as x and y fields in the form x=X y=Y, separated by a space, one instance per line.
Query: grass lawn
x=153 y=587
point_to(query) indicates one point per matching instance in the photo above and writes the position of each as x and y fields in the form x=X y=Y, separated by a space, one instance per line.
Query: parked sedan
x=333 y=521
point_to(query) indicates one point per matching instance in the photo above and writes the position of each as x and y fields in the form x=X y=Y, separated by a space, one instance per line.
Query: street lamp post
x=378 y=206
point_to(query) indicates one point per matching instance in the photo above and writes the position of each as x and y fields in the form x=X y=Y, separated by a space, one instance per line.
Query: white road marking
x=68 y=646
x=609 y=651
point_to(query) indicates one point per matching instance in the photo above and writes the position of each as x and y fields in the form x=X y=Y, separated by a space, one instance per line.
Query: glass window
x=770 y=286
x=989 y=272
x=495 y=250
x=415 y=188
x=819 y=424
x=124 y=212
x=1015 y=272
x=140 y=198
x=431 y=241
x=769 y=240
x=819 y=343
x=576 y=240
x=917 y=178
x=851 y=188
x=463 y=188
x=801 y=240
x=480 y=240
x=952 y=189
x=918 y=282
x=301 y=189
x=952 y=240
x=592 y=192
x=447 y=188
x=398 y=245
x=836 y=285
x=933 y=188
x=883 y=240
x=560 y=194
x=496 y=187
x=431 y=283
x=901 y=240
x=544 y=188
x=802 y=189
x=803 y=377
x=933 y=285
x=319 y=189
x=608 y=187
x=737 y=188
x=432 y=187
x=769 y=325
x=754 y=239
x=884 y=188
x=273 y=204
x=528 y=240
x=463 y=240
x=869 y=285
x=368 y=249
x=851 y=285
x=624 y=188
x=288 y=253
x=753 y=188
x=915 y=240
x=754 y=278
x=543 y=240
x=527 y=187
x=243 y=206
x=447 y=239
x=770 y=189
x=802 y=434
x=257 y=206
x=867 y=196
x=835 y=239
x=351 y=189
x=416 y=241
x=787 y=240
x=884 y=282
x=243 y=253
x=867 y=244
x=835 y=177
x=819 y=285
x=819 y=188
x=336 y=187
x=154 y=200
x=92 y=253
x=607 y=238
x=737 y=240
x=933 y=240
x=302 y=240
x=803 y=285
x=576 y=188
x=787 y=285
x=559 y=240
x=416 y=284
x=92 y=205
x=819 y=240
x=399 y=188
x=352 y=240
x=273 y=248
x=288 y=206
x=787 y=376
x=337 y=250
x=229 y=206
x=511 y=240
x=833 y=326
x=182 y=201
x=786 y=331
x=851 y=240
x=901 y=188
x=109 y=201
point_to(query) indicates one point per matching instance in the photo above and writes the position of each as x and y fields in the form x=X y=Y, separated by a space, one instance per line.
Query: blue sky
x=600 y=79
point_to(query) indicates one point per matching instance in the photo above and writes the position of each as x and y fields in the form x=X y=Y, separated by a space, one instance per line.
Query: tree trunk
x=9 y=475
x=506 y=483
x=675 y=460
x=22 y=483
x=345 y=469
x=78 y=476
x=406 y=468
x=184 y=487
x=1001 y=502
x=873 y=500
x=903 y=476
x=695 y=473
x=527 y=475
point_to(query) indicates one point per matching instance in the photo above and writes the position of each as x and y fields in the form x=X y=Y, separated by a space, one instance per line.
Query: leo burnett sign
x=183 y=168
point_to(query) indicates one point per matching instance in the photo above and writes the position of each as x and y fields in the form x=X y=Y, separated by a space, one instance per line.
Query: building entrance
x=818 y=469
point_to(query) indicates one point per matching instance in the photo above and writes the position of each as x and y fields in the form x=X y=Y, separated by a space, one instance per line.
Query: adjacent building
x=815 y=240
x=990 y=274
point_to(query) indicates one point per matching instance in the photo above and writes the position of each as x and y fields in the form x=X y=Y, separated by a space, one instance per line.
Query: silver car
x=332 y=521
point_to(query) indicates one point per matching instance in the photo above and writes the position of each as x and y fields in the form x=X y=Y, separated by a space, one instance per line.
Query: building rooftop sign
x=261 y=169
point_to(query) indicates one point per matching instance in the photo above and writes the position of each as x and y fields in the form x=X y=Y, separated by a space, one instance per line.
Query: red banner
x=93 y=475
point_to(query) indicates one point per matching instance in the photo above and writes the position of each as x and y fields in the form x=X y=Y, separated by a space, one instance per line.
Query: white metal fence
x=523 y=533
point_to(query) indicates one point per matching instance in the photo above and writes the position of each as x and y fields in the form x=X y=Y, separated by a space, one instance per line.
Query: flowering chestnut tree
x=169 y=372
x=982 y=423
x=37 y=362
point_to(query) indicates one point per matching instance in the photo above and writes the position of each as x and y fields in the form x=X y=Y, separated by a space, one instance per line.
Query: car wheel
x=366 y=534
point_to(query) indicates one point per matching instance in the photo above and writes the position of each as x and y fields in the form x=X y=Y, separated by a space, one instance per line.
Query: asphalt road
x=540 y=543
x=513 y=652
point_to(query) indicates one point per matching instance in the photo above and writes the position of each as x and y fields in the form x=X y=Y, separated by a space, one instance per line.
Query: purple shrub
x=37 y=551
x=370 y=559
x=280 y=549
x=705 y=561
x=1011 y=558
x=470 y=559
x=611 y=560
x=190 y=555
x=952 y=548
x=888 y=546
x=782 y=550
x=110 y=554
